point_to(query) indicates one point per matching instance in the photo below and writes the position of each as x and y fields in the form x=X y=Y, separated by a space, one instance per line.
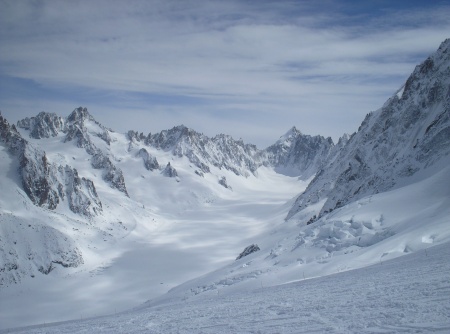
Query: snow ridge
x=406 y=136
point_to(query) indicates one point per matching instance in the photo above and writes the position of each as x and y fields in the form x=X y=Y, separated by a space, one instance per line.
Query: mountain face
x=75 y=128
x=409 y=134
x=48 y=184
x=298 y=154
x=31 y=246
x=221 y=151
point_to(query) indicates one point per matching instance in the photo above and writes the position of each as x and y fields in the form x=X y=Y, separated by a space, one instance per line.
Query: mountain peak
x=410 y=133
x=79 y=114
x=290 y=135
x=293 y=132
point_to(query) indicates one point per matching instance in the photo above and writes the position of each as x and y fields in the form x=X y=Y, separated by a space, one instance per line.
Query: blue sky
x=251 y=69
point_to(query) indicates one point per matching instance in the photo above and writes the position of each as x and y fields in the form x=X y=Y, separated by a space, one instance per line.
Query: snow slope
x=371 y=230
x=393 y=144
x=410 y=294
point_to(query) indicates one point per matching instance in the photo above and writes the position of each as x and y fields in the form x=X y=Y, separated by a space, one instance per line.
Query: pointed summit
x=297 y=154
x=289 y=136
x=44 y=125
x=79 y=115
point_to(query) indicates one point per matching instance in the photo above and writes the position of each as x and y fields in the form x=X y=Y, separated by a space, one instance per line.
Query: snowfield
x=410 y=294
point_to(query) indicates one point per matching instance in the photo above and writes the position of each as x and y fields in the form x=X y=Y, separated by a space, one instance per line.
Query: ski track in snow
x=403 y=295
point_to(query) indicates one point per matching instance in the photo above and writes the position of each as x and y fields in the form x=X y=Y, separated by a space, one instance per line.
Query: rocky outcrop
x=111 y=174
x=81 y=136
x=11 y=137
x=76 y=125
x=248 y=250
x=223 y=182
x=38 y=178
x=150 y=161
x=234 y=155
x=170 y=171
x=44 y=125
x=80 y=193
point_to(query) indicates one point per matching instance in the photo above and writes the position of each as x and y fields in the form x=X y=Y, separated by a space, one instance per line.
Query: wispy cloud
x=217 y=65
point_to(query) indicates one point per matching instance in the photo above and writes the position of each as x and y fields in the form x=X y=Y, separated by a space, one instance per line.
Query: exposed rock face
x=38 y=178
x=80 y=192
x=301 y=155
x=295 y=153
x=150 y=161
x=77 y=129
x=111 y=173
x=169 y=171
x=221 y=151
x=35 y=171
x=74 y=127
x=223 y=182
x=44 y=125
x=236 y=156
x=47 y=184
x=248 y=250
x=11 y=137
x=81 y=135
x=411 y=132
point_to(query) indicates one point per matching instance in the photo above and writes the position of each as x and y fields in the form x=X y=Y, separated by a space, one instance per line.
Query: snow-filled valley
x=172 y=231
x=176 y=232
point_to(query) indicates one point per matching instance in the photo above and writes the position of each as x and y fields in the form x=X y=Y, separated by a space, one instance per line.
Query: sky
x=250 y=69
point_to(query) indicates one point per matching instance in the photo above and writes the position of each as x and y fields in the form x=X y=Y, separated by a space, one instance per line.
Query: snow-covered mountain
x=293 y=154
x=79 y=126
x=126 y=217
x=301 y=155
x=394 y=145
x=76 y=169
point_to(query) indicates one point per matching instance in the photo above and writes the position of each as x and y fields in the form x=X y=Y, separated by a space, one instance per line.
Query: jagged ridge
x=295 y=153
x=47 y=184
x=410 y=133
x=46 y=125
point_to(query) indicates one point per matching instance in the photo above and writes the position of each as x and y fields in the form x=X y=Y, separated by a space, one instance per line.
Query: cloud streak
x=199 y=61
